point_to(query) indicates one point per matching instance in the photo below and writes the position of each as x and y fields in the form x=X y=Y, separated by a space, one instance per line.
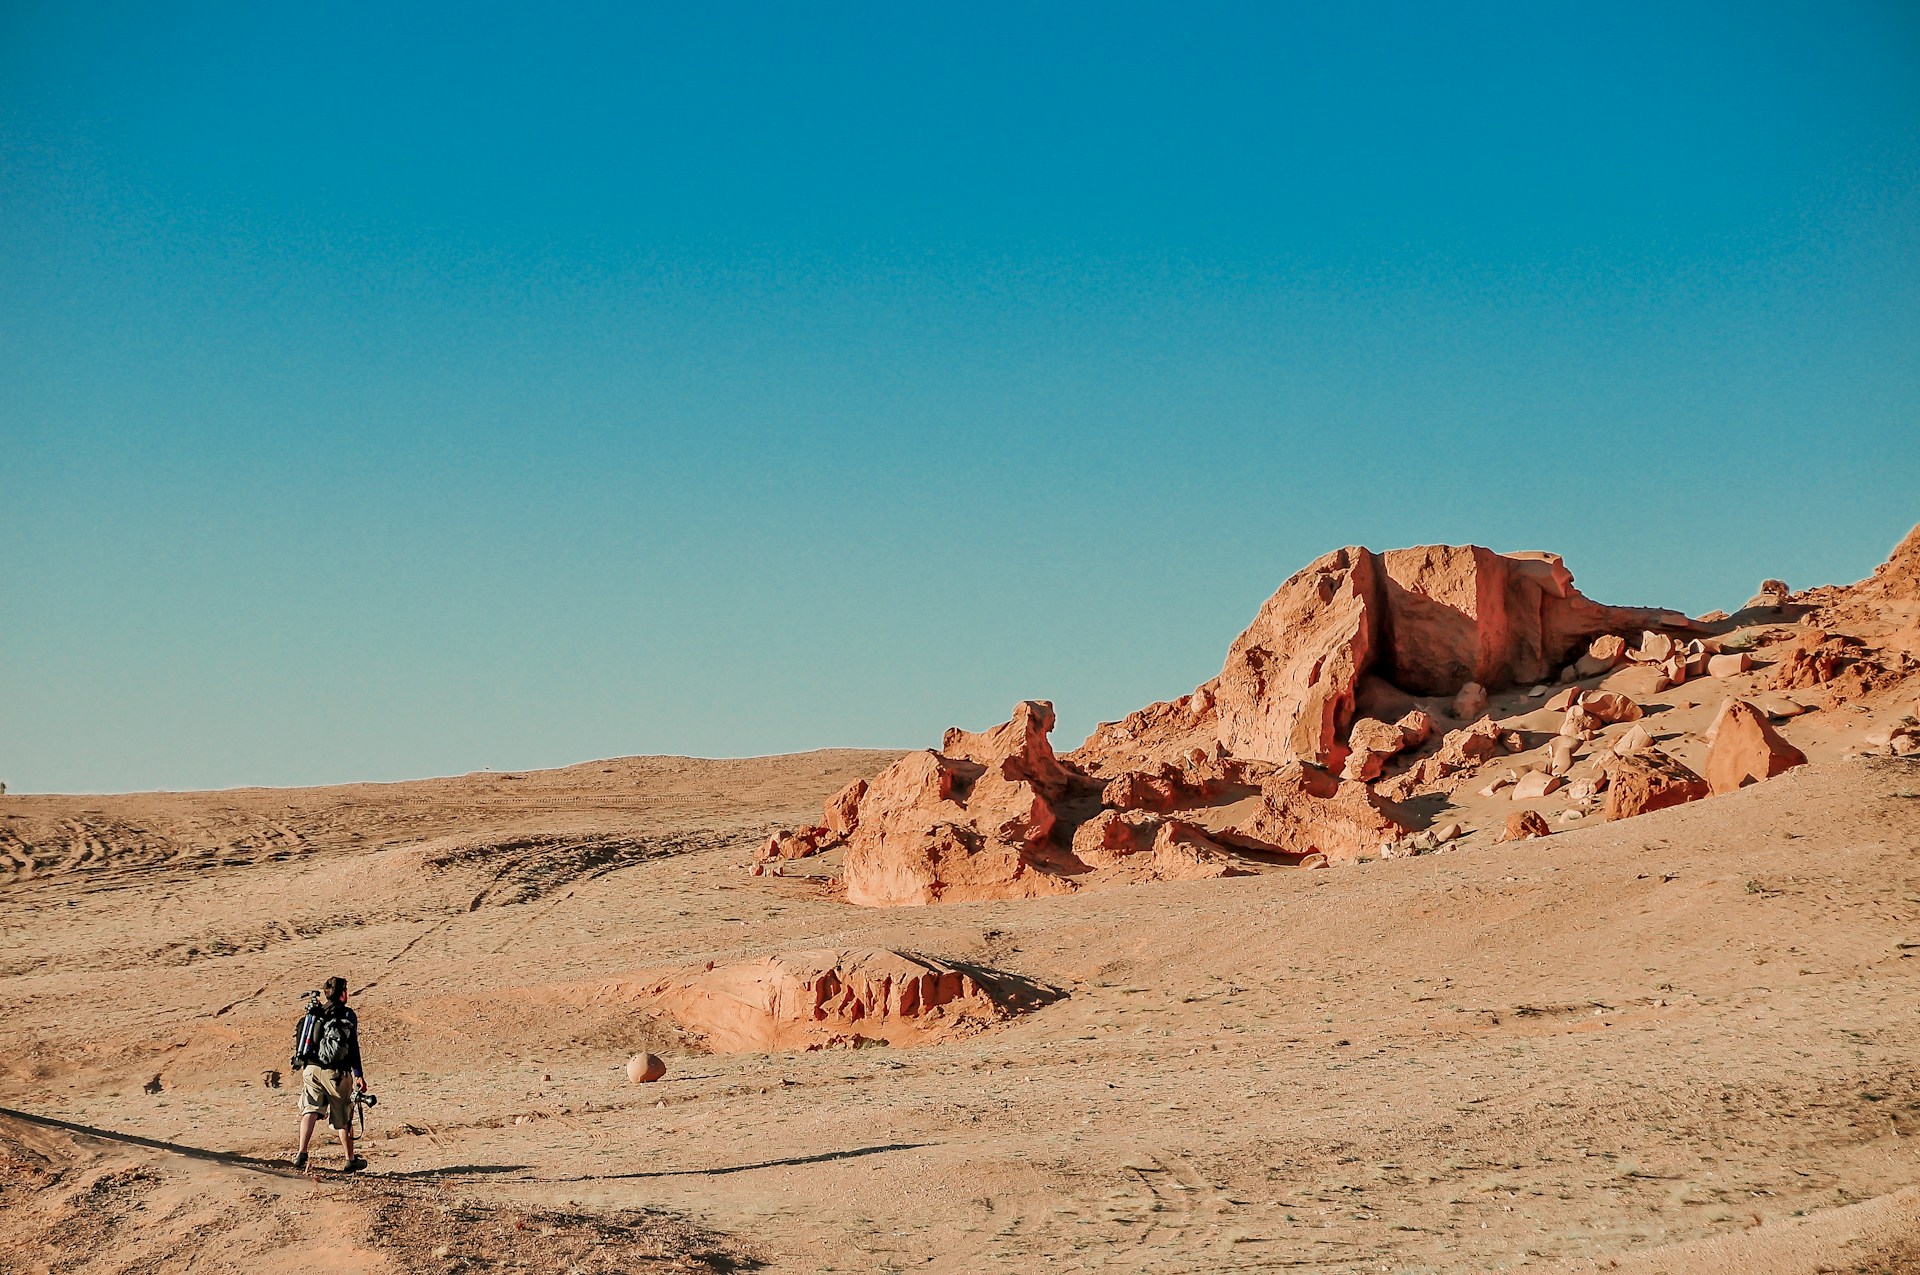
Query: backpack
x=324 y=1038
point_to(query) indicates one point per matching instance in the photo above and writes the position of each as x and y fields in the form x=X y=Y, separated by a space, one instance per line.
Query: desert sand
x=947 y=1030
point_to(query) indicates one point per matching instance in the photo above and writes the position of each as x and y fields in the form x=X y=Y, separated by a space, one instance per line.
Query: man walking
x=326 y=1050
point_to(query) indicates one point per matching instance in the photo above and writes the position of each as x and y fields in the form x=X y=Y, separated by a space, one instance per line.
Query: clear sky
x=387 y=394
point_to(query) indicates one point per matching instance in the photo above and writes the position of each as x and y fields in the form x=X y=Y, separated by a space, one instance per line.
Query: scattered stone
x=1448 y=832
x=644 y=1069
x=1469 y=702
x=270 y=1079
x=1566 y=699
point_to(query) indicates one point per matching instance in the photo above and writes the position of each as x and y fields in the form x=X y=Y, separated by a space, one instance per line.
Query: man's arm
x=353 y=1059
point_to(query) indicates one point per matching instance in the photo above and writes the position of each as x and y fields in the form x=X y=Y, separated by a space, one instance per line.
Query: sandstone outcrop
x=1747 y=749
x=1429 y=621
x=972 y=823
x=817 y=998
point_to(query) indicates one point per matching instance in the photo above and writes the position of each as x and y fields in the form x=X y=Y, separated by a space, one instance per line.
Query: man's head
x=335 y=990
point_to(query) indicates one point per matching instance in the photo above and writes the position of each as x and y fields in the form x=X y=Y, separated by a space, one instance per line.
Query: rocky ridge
x=1354 y=719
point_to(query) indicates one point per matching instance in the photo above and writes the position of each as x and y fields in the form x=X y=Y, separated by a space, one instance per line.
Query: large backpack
x=324 y=1038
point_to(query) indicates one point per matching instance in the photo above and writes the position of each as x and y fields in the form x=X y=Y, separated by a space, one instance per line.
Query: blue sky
x=394 y=395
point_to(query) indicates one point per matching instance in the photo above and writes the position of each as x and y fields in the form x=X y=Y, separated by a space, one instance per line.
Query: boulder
x=1604 y=654
x=1372 y=743
x=1747 y=749
x=1460 y=751
x=1610 y=707
x=1655 y=648
x=1415 y=728
x=1469 y=702
x=1650 y=780
x=1636 y=739
x=1524 y=826
x=1534 y=785
x=1729 y=664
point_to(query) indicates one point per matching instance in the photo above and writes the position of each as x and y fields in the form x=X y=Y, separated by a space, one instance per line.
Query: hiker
x=326 y=1048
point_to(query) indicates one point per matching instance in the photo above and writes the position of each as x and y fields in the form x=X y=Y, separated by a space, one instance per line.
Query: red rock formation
x=1112 y=836
x=842 y=812
x=974 y=822
x=1169 y=788
x=1649 y=780
x=1747 y=749
x=1183 y=852
x=1427 y=620
x=1842 y=664
x=1898 y=578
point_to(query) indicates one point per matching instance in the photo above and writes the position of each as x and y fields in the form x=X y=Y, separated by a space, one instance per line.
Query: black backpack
x=324 y=1038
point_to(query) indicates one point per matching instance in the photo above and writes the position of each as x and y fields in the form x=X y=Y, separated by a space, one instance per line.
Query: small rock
x=1470 y=702
x=1524 y=826
x=1565 y=699
x=644 y=1069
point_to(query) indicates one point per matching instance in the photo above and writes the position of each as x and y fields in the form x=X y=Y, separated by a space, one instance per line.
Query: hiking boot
x=300 y=1163
x=354 y=1165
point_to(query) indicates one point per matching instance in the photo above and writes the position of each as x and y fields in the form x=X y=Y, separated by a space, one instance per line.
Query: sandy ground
x=1678 y=1043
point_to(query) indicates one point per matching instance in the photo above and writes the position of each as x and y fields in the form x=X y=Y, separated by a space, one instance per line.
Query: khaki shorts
x=327 y=1093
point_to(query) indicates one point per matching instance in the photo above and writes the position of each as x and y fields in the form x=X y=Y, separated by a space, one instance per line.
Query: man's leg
x=307 y=1122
